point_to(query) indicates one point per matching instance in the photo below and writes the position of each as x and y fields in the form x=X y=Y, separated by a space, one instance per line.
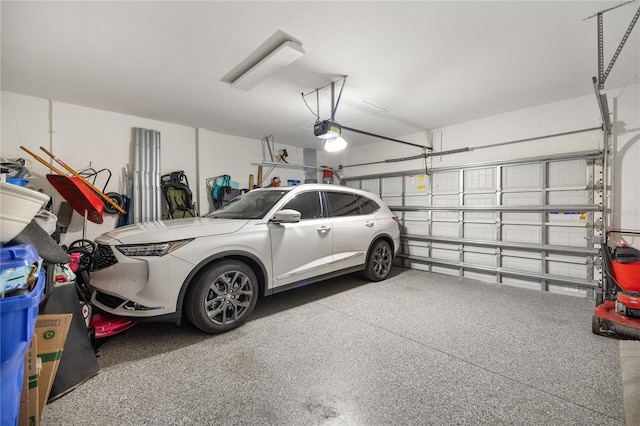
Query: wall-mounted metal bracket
x=602 y=73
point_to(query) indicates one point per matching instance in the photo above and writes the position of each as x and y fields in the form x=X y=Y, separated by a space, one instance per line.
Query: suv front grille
x=103 y=258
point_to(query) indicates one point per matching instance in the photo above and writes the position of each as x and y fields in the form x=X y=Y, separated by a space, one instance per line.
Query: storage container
x=17 y=323
x=18 y=205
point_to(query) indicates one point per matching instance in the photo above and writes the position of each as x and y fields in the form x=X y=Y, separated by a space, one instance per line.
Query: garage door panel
x=445 y=201
x=445 y=182
x=371 y=185
x=392 y=200
x=480 y=231
x=480 y=179
x=445 y=270
x=415 y=249
x=567 y=173
x=522 y=254
x=568 y=236
x=416 y=184
x=479 y=249
x=480 y=259
x=522 y=199
x=443 y=254
x=415 y=227
x=420 y=215
x=568 y=197
x=392 y=185
x=417 y=200
x=522 y=283
x=445 y=229
x=565 y=269
x=521 y=234
x=480 y=276
x=522 y=176
x=521 y=264
x=480 y=200
x=568 y=291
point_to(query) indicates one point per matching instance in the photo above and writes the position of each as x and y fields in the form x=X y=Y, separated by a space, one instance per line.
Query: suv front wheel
x=222 y=297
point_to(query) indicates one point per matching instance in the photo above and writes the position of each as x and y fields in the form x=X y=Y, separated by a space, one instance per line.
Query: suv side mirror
x=286 y=216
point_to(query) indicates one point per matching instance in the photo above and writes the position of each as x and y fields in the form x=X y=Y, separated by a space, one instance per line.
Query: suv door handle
x=369 y=224
x=323 y=229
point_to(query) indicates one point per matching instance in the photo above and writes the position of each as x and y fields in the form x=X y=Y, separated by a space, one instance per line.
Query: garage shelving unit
x=532 y=222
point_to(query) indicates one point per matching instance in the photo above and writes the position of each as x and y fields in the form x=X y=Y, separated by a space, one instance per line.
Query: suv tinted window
x=307 y=203
x=367 y=206
x=343 y=204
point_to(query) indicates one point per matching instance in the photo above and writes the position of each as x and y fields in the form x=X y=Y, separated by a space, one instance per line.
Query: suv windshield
x=250 y=205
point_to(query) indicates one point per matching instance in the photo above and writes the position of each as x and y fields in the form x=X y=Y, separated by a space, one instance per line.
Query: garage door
x=531 y=223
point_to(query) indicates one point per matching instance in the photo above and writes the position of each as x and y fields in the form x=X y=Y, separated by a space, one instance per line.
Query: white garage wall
x=85 y=137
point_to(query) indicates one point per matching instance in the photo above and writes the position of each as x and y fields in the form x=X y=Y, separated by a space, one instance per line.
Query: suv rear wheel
x=379 y=261
x=222 y=297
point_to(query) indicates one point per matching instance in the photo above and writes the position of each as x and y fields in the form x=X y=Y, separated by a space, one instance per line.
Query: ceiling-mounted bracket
x=602 y=73
x=321 y=126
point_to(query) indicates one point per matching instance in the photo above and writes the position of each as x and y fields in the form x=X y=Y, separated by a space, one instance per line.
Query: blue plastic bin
x=17 y=264
x=18 y=316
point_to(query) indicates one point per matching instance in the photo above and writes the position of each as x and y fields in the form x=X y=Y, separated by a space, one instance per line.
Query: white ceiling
x=411 y=66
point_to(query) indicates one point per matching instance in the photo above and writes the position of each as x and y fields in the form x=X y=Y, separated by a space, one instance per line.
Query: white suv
x=213 y=268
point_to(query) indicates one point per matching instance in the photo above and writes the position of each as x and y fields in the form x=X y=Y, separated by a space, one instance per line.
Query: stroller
x=618 y=302
x=175 y=188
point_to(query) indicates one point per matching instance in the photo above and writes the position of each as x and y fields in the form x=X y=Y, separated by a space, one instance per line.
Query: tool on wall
x=222 y=189
x=282 y=159
x=84 y=180
x=91 y=174
x=77 y=193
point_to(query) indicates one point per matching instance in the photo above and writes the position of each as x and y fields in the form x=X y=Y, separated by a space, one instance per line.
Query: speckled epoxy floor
x=416 y=349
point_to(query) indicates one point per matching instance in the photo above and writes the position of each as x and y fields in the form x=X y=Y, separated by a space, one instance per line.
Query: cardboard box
x=51 y=333
x=29 y=412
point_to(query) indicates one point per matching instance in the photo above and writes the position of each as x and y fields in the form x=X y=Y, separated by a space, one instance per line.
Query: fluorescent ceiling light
x=283 y=55
x=335 y=144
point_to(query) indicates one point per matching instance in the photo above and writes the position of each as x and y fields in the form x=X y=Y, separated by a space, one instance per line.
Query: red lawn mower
x=618 y=302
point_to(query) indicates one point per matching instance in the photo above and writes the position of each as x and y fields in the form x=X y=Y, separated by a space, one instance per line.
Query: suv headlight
x=155 y=249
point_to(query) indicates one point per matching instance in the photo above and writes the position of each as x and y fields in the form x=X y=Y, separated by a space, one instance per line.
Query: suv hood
x=171 y=230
